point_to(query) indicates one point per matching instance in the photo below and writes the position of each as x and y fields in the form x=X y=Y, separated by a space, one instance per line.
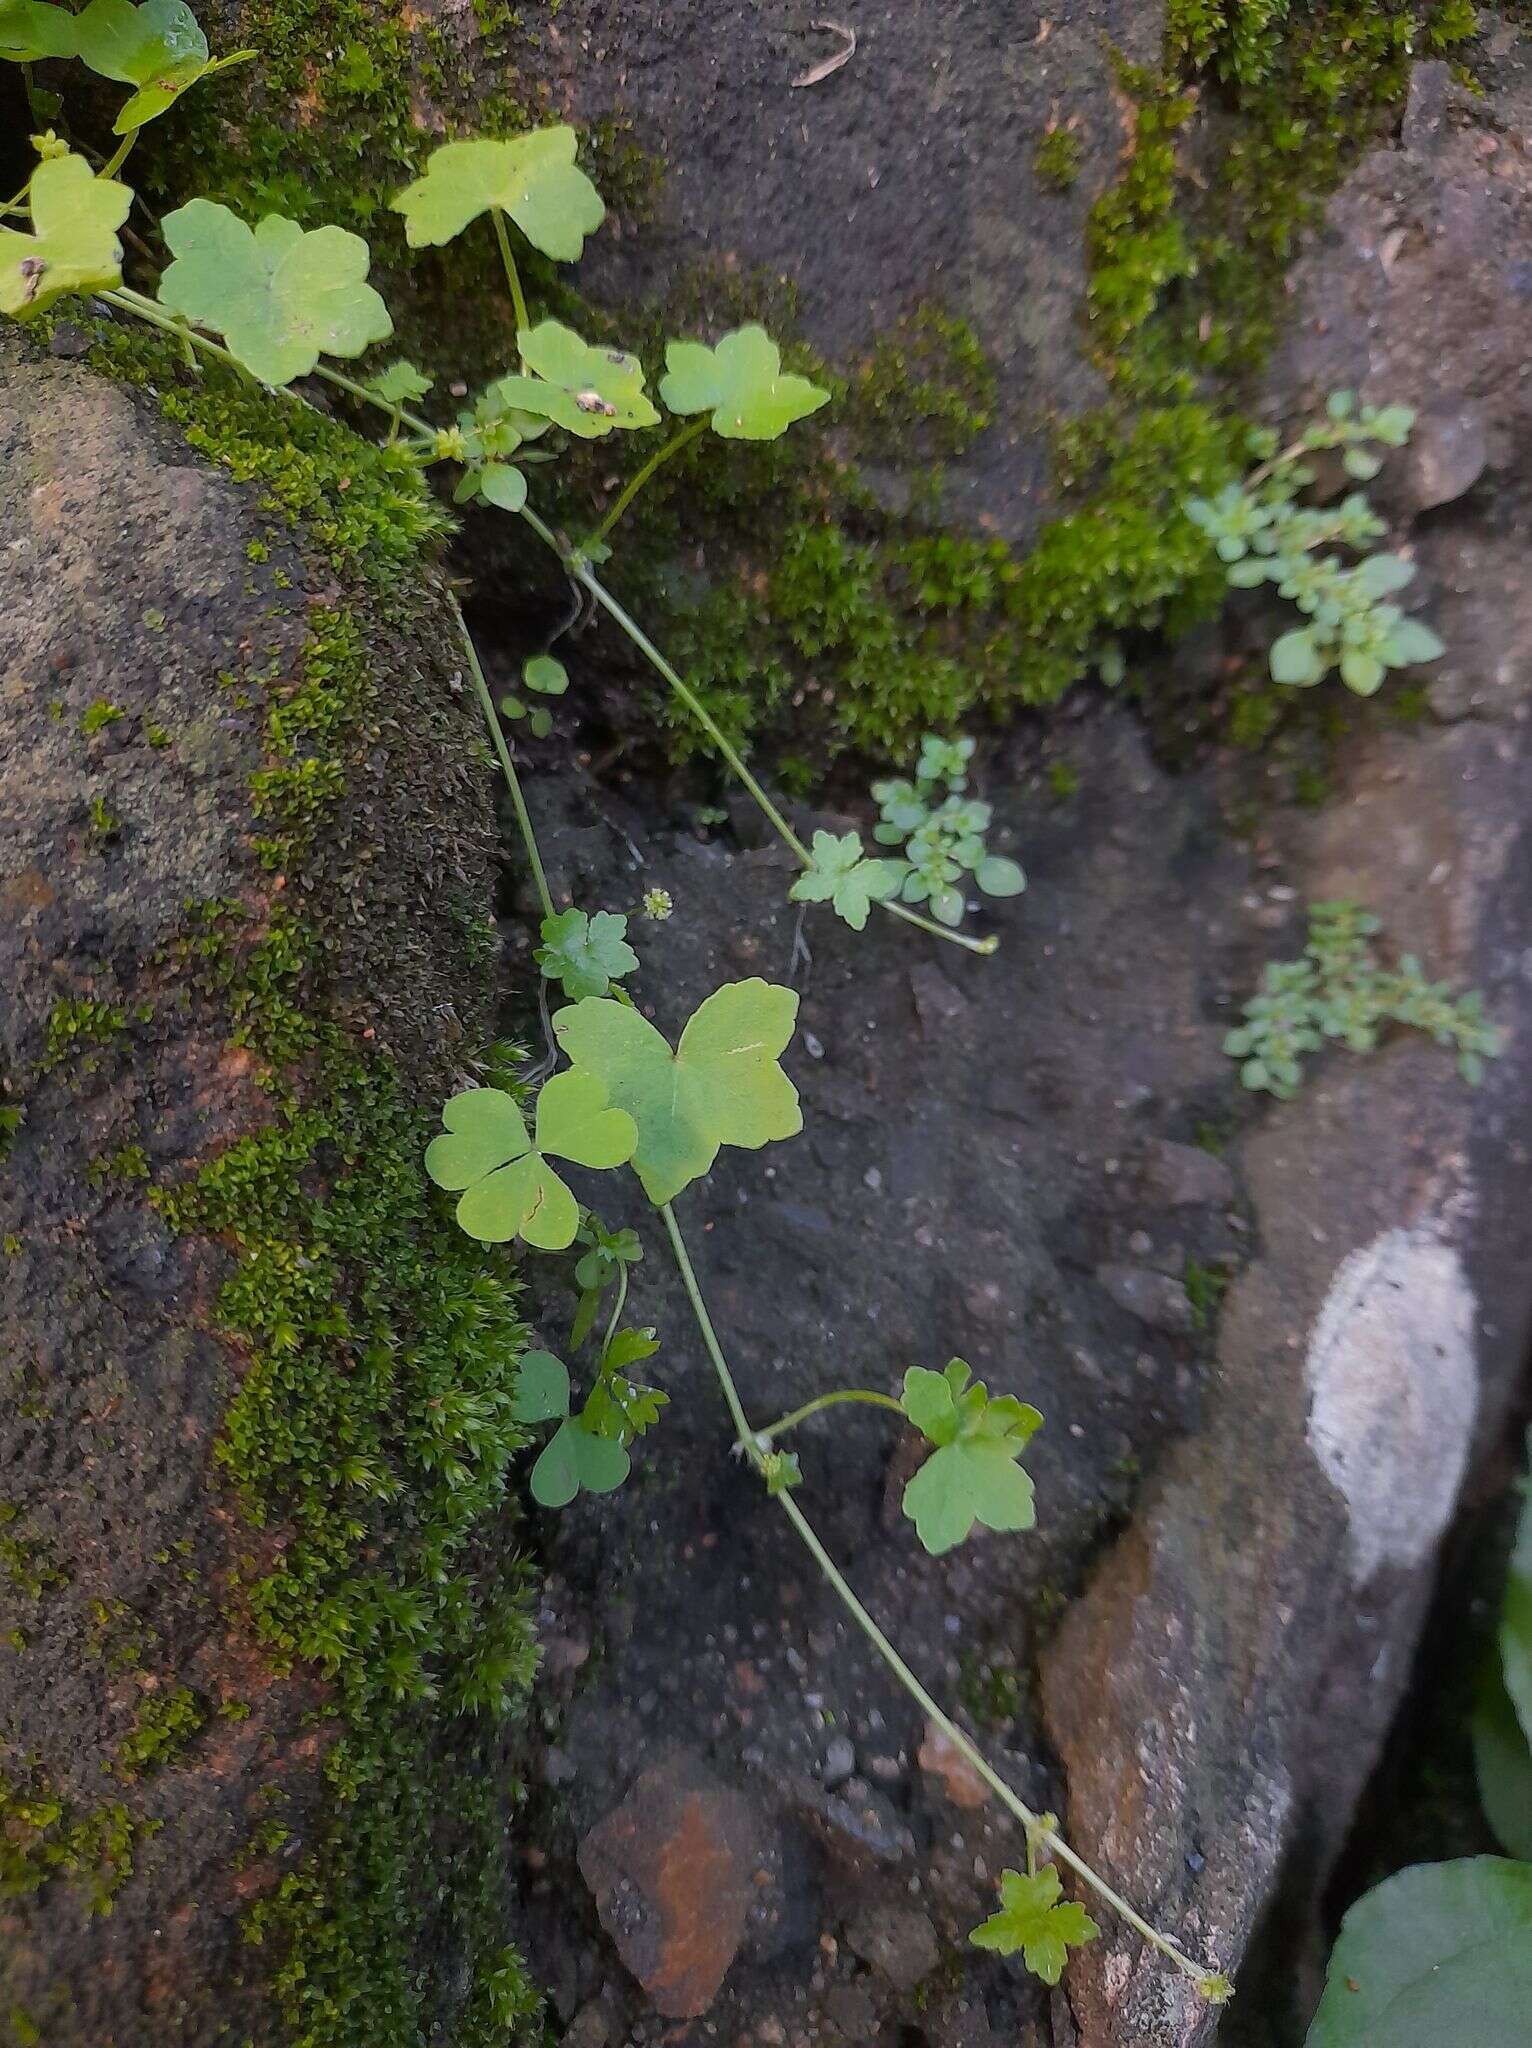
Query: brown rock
x=898 y=1941
x=670 y=1870
x=941 y=1758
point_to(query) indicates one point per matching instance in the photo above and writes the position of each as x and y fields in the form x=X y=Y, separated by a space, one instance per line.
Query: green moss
x=1058 y=159
x=43 y=1838
x=77 y=1023
x=99 y=716
x=163 y=1726
x=26 y=1566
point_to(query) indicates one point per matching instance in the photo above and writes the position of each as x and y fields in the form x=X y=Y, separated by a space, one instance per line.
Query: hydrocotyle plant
x=277 y=302
x=1265 y=535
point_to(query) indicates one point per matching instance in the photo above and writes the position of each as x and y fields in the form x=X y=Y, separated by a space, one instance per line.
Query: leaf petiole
x=636 y=482
x=765 y=1437
x=512 y=274
x=512 y=780
x=119 y=155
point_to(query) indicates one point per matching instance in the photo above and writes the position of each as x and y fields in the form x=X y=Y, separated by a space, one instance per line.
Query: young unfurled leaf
x=31 y=30
x=618 y=1406
x=534 y=179
x=721 y=1086
x=972 y=1475
x=542 y=1388
x=1439 y=1956
x=576 y=1460
x=73 y=246
x=510 y=1190
x=1037 y=1920
x=158 y=47
x=844 y=878
x=545 y=672
x=588 y=391
x=400 y=384
x=741 y=383
x=585 y=954
x=279 y=295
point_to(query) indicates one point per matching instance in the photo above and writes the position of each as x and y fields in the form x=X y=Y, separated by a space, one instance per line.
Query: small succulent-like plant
x=1263 y=534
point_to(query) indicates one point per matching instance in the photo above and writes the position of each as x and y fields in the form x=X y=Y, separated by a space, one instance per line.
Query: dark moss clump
x=163 y=1726
x=43 y=1838
x=1058 y=159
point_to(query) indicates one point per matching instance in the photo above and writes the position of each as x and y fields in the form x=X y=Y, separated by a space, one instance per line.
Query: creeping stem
x=791 y=1420
x=507 y=767
x=641 y=476
x=1037 y=1826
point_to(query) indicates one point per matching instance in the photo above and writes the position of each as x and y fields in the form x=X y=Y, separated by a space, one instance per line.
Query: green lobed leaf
x=281 y=296
x=159 y=47
x=972 y=1474
x=842 y=877
x=589 y=391
x=508 y=1188
x=542 y=1388
x=534 y=179
x=721 y=1086
x=73 y=246
x=1439 y=1956
x=31 y=30
x=1036 y=1920
x=399 y=384
x=741 y=382
x=544 y=672
x=585 y=954
x=576 y=1460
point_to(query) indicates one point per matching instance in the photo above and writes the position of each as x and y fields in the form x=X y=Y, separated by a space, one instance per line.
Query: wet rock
x=959 y=2022
x=1155 y=1298
x=938 y=1005
x=1446 y=457
x=671 y=1871
x=1425 y=110
x=852 y=2012
x=1183 y=1176
x=858 y=1826
x=898 y=1942
x=840 y=1761
x=940 y=1758
x=594 y=2026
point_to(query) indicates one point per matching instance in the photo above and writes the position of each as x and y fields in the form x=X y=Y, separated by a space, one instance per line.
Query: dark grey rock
x=1155 y=1298
x=898 y=1942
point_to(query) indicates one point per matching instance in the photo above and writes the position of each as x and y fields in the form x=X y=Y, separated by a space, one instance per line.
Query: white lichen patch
x=1394 y=1388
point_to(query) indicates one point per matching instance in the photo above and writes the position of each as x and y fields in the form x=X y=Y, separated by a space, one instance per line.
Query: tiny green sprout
x=846 y=879
x=449 y=444
x=606 y=1258
x=721 y=1086
x=972 y=1474
x=942 y=835
x=587 y=390
x=158 y=47
x=73 y=245
x=400 y=384
x=509 y=1189
x=575 y=1459
x=99 y=715
x=740 y=384
x=1036 y=1920
x=585 y=954
x=533 y=179
x=544 y=672
x=658 y=904
x=31 y=30
x=280 y=295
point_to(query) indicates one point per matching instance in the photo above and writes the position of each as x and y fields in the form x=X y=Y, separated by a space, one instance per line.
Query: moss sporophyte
x=408 y=1630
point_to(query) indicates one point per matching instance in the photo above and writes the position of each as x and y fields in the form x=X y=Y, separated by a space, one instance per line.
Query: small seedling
x=941 y=829
x=1264 y=535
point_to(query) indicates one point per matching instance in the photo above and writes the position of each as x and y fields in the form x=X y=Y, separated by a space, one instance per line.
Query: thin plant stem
x=512 y=780
x=1034 y=1824
x=119 y=155
x=622 y=1296
x=636 y=482
x=797 y=1415
x=512 y=274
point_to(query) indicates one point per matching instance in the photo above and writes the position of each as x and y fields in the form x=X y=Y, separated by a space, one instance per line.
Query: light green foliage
x=740 y=383
x=941 y=829
x=607 y=1255
x=534 y=180
x=587 y=391
x=162 y=1727
x=510 y=1190
x=721 y=1086
x=1516 y=1625
x=31 y=30
x=846 y=879
x=546 y=674
x=1340 y=990
x=99 y=715
x=157 y=47
x=585 y=954
x=73 y=245
x=1439 y=1956
x=588 y=1453
x=280 y=295
x=1264 y=535
x=1038 y=1922
x=1059 y=158
x=972 y=1474
x=400 y=384
x=1502 y=1728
